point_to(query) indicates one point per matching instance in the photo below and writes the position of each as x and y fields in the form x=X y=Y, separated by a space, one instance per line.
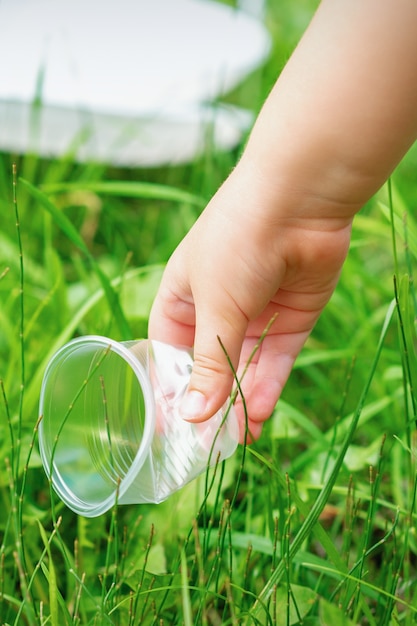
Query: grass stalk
x=22 y=326
x=323 y=497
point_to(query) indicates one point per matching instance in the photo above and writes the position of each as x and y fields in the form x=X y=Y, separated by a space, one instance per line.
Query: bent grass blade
x=70 y=231
x=314 y=514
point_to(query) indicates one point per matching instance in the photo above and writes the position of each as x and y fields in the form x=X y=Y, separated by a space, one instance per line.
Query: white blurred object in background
x=127 y=82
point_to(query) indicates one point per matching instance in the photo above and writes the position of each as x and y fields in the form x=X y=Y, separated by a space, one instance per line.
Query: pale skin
x=273 y=239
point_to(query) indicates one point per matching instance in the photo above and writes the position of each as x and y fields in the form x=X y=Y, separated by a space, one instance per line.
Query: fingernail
x=193 y=405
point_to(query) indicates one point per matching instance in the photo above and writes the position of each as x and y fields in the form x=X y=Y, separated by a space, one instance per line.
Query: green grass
x=316 y=522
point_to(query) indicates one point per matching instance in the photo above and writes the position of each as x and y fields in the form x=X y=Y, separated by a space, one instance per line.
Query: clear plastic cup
x=111 y=430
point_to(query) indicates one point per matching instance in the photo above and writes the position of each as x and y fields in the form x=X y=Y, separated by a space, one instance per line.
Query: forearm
x=344 y=110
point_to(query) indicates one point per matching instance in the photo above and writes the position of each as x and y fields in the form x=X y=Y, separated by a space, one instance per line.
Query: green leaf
x=155 y=560
x=292 y=607
x=331 y=615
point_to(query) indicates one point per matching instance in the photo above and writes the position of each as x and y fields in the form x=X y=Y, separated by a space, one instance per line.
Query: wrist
x=283 y=190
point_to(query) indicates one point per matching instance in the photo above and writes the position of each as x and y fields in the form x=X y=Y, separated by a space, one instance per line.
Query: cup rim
x=64 y=492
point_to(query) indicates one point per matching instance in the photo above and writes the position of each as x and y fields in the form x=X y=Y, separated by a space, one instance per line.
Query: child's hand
x=273 y=239
x=241 y=264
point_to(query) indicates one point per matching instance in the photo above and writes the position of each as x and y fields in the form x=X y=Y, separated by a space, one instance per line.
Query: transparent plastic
x=111 y=430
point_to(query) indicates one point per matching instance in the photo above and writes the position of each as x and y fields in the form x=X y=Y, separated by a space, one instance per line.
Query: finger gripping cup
x=110 y=429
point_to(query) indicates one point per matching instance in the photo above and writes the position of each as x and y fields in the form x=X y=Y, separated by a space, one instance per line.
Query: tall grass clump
x=315 y=523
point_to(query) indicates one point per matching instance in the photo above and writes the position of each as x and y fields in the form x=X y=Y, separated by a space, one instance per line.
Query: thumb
x=217 y=347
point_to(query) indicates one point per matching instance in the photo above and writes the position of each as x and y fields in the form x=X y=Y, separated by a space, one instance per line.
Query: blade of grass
x=185 y=593
x=22 y=326
x=311 y=519
x=393 y=238
x=375 y=589
x=70 y=231
x=52 y=580
x=320 y=533
x=150 y=191
x=32 y=392
x=17 y=499
x=408 y=335
x=398 y=223
x=375 y=479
